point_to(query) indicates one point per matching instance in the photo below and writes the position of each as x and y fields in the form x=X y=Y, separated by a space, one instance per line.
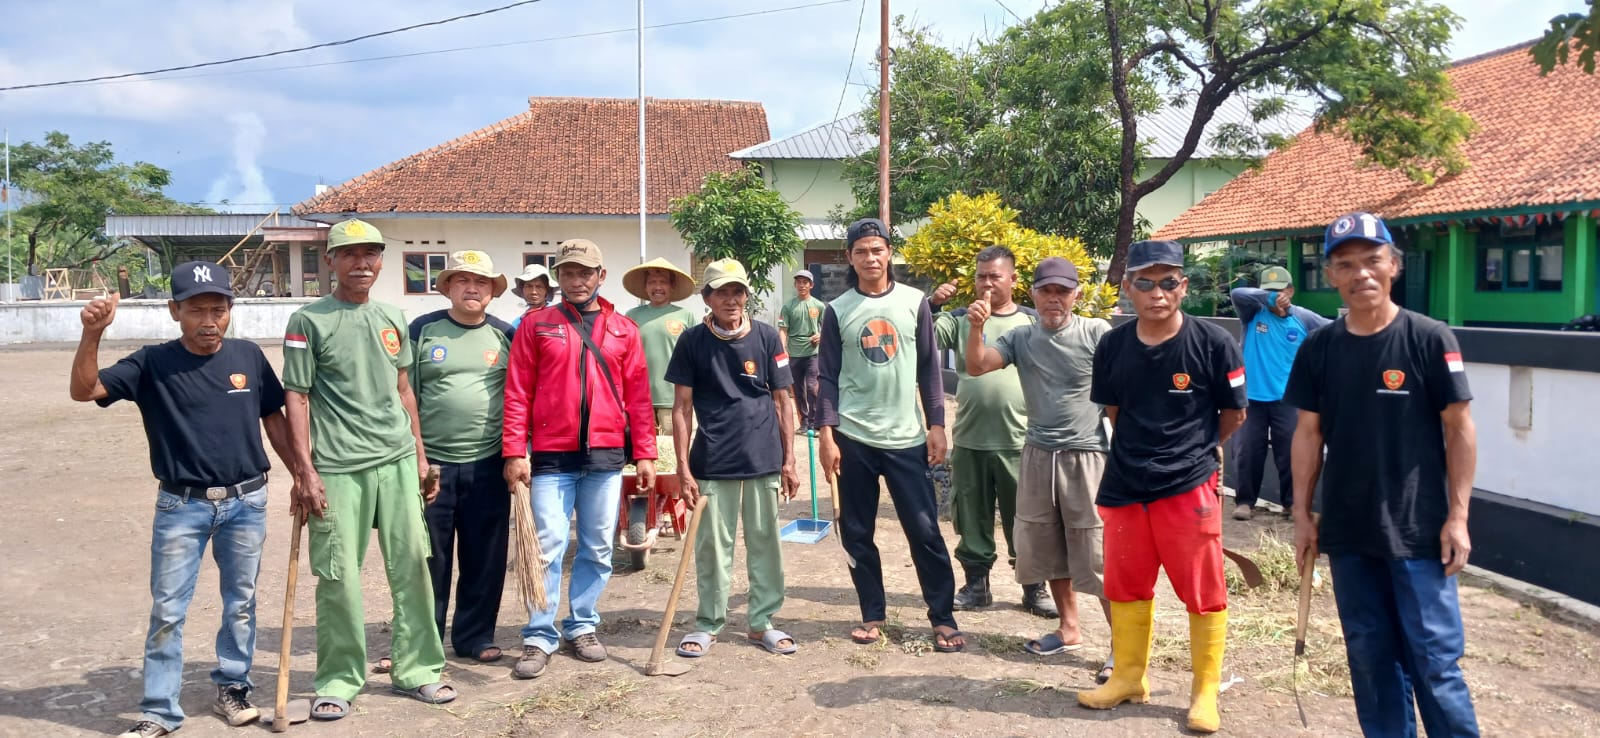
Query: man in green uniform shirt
x=459 y=375
x=353 y=421
x=991 y=419
x=660 y=283
x=800 y=327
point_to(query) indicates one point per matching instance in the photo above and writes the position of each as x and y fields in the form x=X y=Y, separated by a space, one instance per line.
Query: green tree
x=1570 y=32
x=959 y=226
x=72 y=189
x=735 y=215
x=1376 y=68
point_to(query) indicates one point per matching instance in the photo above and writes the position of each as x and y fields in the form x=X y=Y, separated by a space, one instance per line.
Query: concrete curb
x=1575 y=608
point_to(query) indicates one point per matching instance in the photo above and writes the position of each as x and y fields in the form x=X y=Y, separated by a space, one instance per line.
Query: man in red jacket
x=577 y=409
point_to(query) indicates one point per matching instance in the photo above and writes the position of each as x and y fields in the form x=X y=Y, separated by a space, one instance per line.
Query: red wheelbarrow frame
x=662 y=499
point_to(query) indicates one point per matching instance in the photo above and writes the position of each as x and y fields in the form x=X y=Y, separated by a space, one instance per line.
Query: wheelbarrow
x=646 y=515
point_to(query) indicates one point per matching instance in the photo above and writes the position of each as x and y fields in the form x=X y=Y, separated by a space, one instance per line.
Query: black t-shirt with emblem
x=202 y=414
x=1385 y=484
x=733 y=382
x=1167 y=398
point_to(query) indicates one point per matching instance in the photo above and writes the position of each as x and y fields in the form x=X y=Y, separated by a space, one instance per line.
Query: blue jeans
x=1403 y=638
x=595 y=497
x=237 y=528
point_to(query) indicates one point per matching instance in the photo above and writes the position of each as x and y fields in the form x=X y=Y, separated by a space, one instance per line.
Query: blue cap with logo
x=1358 y=226
x=198 y=278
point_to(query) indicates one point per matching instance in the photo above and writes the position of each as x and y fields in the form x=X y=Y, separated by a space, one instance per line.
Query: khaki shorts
x=663 y=421
x=1058 y=531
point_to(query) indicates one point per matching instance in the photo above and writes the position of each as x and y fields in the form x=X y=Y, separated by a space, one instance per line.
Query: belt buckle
x=216 y=493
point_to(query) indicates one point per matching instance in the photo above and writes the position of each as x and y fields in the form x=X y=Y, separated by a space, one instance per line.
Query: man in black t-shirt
x=733 y=373
x=201 y=398
x=1173 y=388
x=1386 y=390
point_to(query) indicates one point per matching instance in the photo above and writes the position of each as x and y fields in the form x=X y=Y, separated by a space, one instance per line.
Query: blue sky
x=268 y=136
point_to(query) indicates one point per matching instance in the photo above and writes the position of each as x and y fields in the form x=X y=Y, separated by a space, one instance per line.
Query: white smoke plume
x=244 y=186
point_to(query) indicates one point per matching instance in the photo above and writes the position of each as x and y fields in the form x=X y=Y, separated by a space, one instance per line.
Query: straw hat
x=471 y=262
x=682 y=283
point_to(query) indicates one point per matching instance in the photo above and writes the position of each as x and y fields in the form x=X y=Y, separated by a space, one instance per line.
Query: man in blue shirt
x=1274 y=330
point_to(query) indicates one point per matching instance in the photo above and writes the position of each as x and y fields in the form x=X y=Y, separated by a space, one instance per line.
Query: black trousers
x=806 y=384
x=1265 y=424
x=906 y=473
x=470 y=518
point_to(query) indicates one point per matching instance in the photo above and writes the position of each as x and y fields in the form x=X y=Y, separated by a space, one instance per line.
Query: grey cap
x=807 y=274
x=1146 y=254
x=1055 y=270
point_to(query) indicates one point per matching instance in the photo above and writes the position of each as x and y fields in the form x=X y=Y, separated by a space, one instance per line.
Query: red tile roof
x=1537 y=144
x=565 y=155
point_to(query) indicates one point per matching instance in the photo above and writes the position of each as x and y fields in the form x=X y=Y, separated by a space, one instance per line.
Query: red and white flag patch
x=1452 y=361
x=1236 y=377
x=294 y=341
x=782 y=360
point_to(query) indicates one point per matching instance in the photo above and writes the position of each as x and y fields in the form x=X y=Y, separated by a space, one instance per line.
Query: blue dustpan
x=814 y=529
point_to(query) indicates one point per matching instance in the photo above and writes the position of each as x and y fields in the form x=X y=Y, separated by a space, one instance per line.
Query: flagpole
x=10 y=258
x=643 y=176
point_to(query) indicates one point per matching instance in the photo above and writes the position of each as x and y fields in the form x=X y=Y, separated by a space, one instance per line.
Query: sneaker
x=233 y=704
x=587 y=648
x=1242 y=512
x=144 y=729
x=532 y=663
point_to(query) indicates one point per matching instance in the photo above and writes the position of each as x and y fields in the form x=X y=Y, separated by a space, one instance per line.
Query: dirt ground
x=74 y=556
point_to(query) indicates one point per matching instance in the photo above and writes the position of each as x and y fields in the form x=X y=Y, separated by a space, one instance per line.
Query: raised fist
x=99 y=313
x=942 y=293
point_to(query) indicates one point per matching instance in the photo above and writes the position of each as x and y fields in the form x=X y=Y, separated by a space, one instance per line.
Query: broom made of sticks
x=530 y=560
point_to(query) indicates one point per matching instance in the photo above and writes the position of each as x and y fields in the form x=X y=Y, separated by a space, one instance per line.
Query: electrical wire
x=280 y=52
x=1009 y=10
x=839 y=106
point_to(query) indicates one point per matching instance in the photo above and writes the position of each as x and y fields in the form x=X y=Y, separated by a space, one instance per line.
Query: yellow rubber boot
x=1130 y=645
x=1207 y=635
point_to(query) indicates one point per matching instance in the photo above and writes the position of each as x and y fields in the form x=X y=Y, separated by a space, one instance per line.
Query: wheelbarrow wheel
x=638 y=531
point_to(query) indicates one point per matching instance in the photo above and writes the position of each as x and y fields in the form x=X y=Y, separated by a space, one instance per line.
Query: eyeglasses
x=1145 y=285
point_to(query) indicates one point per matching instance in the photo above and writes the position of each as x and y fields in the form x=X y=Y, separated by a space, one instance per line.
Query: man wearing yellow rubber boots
x=1173 y=388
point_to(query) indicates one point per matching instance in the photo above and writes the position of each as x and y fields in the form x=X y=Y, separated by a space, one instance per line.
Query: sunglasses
x=1145 y=285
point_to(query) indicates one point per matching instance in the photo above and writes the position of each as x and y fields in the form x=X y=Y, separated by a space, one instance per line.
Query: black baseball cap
x=1146 y=254
x=1056 y=270
x=198 y=278
x=860 y=229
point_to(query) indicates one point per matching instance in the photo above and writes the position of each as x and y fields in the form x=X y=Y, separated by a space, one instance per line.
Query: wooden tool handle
x=280 y=713
x=1306 y=578
x=684 y=557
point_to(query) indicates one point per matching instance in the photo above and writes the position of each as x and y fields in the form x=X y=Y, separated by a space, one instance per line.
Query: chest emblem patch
x=1394 y=379
x=238 y=380
x=813 y=312
x=749 y=367
x=674 y=327
x=1180 y=381
x=490 y=358
x=879 y=341
x=437 y=354
x=1261 y=327
x=391 y=341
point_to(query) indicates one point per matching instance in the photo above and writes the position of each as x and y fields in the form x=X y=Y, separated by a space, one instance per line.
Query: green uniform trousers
x=386 y=497
x=983 y=480
x=756 y=501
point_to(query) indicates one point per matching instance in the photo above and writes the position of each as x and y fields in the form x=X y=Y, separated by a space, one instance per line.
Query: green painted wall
x=810 y=186
x=1322 y=302
x=1577 y=295
x=1193 y=181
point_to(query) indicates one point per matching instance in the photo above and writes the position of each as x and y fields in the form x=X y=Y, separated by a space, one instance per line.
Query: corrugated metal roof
x=840 y=139
x=820 y=232
x=1162 y=131
x=220 y=224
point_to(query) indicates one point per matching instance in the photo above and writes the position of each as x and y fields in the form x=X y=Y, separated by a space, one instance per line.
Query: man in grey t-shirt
x=1057 y=529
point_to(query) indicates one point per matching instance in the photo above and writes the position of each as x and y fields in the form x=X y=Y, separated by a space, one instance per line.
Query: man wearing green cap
x=734 y=375
x=660 y=283
x=1274 y=330
x=800 y=327
x=353 y=421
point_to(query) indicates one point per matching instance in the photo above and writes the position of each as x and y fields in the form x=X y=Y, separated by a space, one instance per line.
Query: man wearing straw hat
x=734 y=375
x=459 y=376
x=660 y=283
x=532 y=286
x=353 y=420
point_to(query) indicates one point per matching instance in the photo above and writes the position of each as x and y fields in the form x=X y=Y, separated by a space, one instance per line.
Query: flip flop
x=700 y=638
x=343 y=705
x=866 y=628
x=1050 y=644
x=771 y=637
x=384 y=665
x=1104 y=675
x=489 y=654
x=428 y=693
x=947 y=643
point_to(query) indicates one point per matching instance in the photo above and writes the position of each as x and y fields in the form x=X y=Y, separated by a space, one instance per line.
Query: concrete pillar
x=297 y=270
x=1585 y=274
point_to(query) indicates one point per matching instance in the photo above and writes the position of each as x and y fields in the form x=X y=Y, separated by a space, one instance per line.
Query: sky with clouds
x=267 y=131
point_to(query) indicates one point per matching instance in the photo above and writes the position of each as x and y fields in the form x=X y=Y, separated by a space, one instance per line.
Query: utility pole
x=5 y=202
x=883 y=114
x=643 y=173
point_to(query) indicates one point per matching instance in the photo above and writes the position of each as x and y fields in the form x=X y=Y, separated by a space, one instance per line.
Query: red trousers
x=1183 y=534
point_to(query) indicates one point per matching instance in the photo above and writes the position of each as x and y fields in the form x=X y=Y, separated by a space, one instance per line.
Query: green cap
x=351 y=232
x=1275 y=278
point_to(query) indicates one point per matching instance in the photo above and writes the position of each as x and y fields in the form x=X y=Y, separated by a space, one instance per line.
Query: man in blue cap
x=1385 y=391
x=203 y=399
x=1274 y=329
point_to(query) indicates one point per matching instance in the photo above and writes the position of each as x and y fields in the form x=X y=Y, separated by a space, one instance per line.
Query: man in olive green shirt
x=660 y=283
x=353 y=425
x=800 y=327
x=991 y=420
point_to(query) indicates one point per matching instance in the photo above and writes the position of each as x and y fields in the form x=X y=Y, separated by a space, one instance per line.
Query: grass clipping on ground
x=1261 y=624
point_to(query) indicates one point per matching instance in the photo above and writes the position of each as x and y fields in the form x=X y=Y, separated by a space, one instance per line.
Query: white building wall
x=258 y=319
x=1536 y=434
